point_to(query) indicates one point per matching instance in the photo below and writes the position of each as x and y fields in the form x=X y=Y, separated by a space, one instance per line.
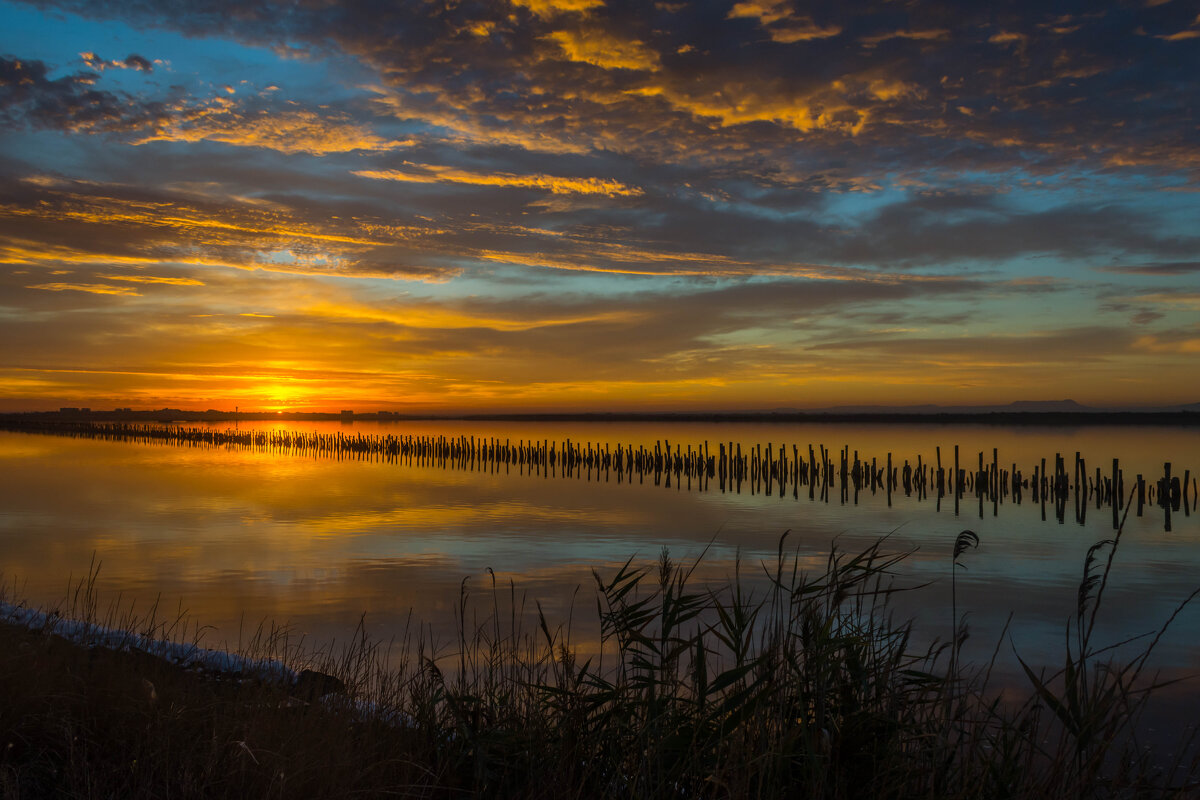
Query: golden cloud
x=102 y=209
x=742 y=103
x=604 y=50
x=152 y=279
x=765 y=12
x=298 y=131
x=1156 y=344
x=140 y=233
x=432 y=173
x=466 y=128
x=929 y=34
x=803 y=30
x=608 y=257
x=1187 y=300
x=425 y=316
x=781 y=21
x=90 y=288
x=1006 y=37
x=552 y=8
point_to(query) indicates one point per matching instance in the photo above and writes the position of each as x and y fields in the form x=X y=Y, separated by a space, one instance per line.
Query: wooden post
x=1184 y=490
x=1167 y=496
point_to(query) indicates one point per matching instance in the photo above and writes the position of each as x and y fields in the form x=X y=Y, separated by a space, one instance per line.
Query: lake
x=237 y=535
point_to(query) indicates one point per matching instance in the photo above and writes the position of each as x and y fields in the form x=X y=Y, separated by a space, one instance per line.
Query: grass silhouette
x=807 y=688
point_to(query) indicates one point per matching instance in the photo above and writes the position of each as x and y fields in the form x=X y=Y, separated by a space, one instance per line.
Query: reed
x=802 y=684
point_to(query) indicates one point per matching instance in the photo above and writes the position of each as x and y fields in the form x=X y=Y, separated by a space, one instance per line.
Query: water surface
x=235 y=535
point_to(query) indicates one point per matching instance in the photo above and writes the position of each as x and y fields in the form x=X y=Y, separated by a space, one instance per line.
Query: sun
x=281 y=395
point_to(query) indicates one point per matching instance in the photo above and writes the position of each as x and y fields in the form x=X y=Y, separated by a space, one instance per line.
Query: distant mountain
x=1043 y=406
x=1017 y=407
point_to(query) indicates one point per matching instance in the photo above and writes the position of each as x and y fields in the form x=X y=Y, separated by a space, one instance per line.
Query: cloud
x=553 y=8
x=29 y=97
x=1168 y=268
x=605 y=50
x=928 y=34
x=713 y=202
x=683 y=82
x=286 y=131
x=157 y=279
x=432 y=173
x=952 y=228
x=840 y=108
x=1007 y=37
x=782 y=22
x=73 y=224
x=90 y=288
x=70 y=103
x=1178 y=299
x=132 y=61
x=427 y=316
x=1184 y=342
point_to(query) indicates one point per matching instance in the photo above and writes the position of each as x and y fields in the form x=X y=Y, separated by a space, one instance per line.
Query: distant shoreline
x=1032 y=418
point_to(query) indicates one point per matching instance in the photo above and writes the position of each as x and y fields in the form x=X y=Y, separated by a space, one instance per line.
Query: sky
x=595 y=205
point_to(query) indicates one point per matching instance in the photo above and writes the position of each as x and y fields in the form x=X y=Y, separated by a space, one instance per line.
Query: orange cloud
x=1187 y=300
x=467 y=128
x=766 y=12
x=103 y=209
x=299 y=131
x=782 y=22
x=803 y=30
x=152 y=279
x=174 y=229
x=1006 y=37
x=742 y=103
x=553 y=8
x=90 y=288
x=608 y=257
x=1156 y=344
x=930 y=34
x=432 y=173
x=426 y=316
x=604 y=50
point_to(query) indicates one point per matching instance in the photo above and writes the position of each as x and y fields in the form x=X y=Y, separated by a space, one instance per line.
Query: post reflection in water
x=726 y=469
x=317 y=529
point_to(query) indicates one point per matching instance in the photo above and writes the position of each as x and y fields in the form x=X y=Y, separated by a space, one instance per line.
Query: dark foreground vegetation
x=809 y=689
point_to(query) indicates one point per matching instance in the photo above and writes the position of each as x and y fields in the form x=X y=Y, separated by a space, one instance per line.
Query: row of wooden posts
x=764 y=469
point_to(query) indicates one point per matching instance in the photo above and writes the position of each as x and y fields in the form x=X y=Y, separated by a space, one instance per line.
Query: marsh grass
x=804 y=686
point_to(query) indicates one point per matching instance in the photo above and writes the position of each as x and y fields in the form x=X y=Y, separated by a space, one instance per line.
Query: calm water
x=239 y=535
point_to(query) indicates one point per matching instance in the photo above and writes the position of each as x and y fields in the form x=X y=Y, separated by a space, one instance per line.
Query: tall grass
x=805 y=686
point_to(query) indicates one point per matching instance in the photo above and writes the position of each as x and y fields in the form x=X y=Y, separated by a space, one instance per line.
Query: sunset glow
x=577 y=205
